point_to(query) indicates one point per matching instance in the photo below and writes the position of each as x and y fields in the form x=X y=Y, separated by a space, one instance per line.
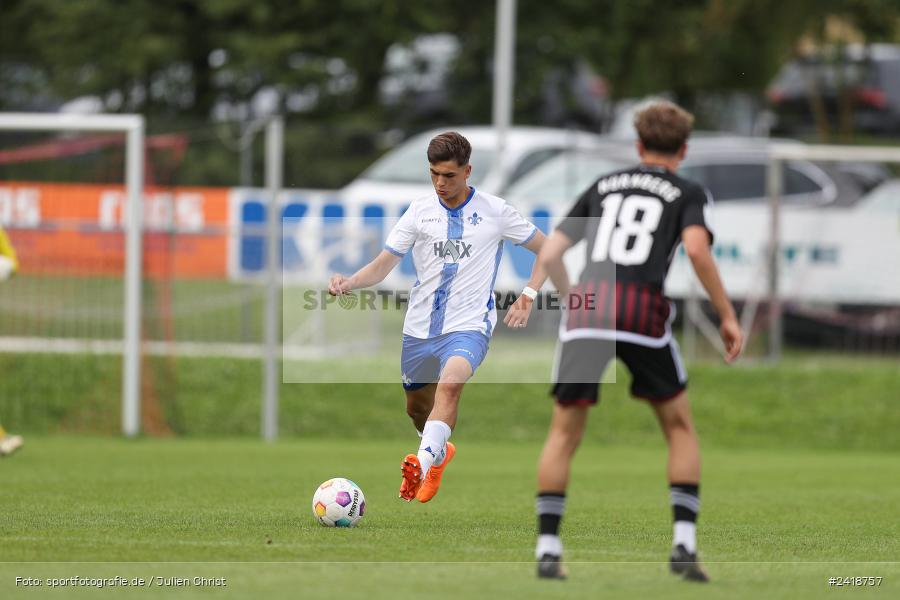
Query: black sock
x=685 y=501
x=550 y=508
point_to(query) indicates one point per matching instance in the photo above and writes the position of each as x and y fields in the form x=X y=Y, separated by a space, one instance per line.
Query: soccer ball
x=339 y=503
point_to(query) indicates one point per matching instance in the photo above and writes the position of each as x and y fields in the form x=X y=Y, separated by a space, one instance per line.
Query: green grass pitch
x=801 y=473
x=774 y=523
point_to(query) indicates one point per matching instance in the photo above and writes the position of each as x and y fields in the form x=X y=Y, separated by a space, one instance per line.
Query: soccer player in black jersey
x=632 y=221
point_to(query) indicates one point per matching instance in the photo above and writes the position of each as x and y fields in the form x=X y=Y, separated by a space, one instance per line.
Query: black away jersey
x=632 y=222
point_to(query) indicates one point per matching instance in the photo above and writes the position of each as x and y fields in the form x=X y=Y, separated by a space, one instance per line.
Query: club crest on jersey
x=475 y=219
x=452 y=250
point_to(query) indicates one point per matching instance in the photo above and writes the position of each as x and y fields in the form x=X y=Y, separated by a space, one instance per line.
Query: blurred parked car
x=732 y=168
x=403 y=172
x=560 y=180
x=885 y=199
x=868 y=76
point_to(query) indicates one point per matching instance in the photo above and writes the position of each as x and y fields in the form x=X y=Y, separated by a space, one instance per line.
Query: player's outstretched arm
x=369 y=275
x=518 y=313
x=696 y=244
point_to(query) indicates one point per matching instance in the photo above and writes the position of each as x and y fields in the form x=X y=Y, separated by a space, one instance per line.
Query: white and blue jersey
x=456 y=253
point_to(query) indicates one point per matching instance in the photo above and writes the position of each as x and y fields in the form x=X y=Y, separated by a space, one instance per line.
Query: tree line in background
x=187 y=63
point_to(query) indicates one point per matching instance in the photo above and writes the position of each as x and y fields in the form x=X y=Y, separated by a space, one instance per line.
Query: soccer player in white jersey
x=456 y=238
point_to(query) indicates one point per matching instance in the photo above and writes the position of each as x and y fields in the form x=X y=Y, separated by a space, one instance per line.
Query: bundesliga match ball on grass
x=339 y=503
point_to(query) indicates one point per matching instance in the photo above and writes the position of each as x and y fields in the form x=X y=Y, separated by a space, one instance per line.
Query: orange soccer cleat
x=433 y=479
x=412 y=477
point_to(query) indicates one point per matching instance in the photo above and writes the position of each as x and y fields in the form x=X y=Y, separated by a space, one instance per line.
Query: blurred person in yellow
x=9 y=264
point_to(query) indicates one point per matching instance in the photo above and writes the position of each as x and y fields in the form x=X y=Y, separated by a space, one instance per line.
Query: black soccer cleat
x=685 y=564
x=550 y=567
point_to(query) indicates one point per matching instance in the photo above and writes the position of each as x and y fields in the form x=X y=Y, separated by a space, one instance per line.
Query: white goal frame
x=133 y=128
x=779 y=153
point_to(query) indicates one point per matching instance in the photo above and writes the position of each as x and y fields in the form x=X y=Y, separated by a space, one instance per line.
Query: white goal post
x=133 y=128
x=769 y=269
x=779 y=153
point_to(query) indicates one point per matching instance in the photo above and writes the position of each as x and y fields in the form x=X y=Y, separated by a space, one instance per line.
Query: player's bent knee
x=452 y=382
x=451 y=389
x=677 y=421
x=456 y=372
x=566 y=441
x=568 y=425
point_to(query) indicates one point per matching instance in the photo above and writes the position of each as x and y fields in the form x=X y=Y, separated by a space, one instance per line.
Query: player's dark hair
x=449 y=146
x=663 y=126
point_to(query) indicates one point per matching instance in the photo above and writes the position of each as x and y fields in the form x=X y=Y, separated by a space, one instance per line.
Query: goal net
x=122 y=275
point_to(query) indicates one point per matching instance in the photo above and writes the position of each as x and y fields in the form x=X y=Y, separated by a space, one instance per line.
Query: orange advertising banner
x=78 y=229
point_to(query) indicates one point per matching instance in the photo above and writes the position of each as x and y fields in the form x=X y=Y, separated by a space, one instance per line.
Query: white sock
x=433 y=447
x=548 y=544
x=685 y=533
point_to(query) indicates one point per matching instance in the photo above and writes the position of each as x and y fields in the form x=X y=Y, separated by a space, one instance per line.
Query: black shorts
x=657 y=373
